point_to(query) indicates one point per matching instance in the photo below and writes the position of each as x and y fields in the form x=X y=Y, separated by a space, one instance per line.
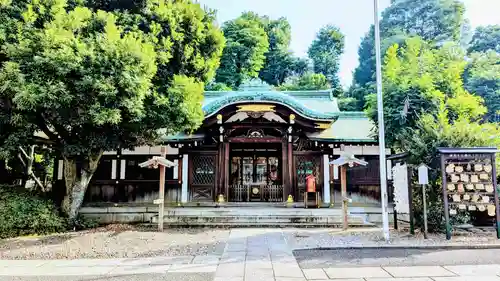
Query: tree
x=325 y=52
x=307 y=82
x=419 y=78
x=436 y=21
x=280 y=62
x=482 y=77
x=485 y=38
x=426 y=107
x=432 y=20
x=219 y=87
x=244 y=54
x=132 y=6
x=365 y=72
x=95 y=81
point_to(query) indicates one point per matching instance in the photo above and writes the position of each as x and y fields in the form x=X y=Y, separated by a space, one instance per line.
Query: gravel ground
x=116 y=242
x=121 y=241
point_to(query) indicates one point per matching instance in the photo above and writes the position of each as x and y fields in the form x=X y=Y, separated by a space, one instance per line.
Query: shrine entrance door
x=255 y=173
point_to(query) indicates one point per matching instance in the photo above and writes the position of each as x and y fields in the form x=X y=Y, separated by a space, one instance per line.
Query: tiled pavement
x=259 y=254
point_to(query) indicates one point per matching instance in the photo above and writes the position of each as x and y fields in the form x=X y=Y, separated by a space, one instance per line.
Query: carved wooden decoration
x=323 y=125
x=256 y=108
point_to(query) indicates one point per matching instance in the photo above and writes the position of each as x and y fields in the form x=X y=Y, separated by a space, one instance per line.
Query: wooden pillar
x=343 y=186
x=226 y=170
x=219 y=178
x=284 y=168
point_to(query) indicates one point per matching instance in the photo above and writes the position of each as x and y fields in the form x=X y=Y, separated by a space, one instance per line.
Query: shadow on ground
x=345 y=257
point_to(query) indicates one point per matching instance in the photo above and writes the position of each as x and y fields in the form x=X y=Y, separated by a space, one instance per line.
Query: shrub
x=83 y=223
x=23 y=212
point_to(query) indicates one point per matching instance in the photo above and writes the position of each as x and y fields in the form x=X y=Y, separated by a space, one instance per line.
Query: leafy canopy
x=435 y=21
x=307 y=82
x=426 y=107
x=94 y=80
x=244 y=54
x=485 y=38
x=280 y=62
x=418 y=79
x=325 y=52
x=482 y=78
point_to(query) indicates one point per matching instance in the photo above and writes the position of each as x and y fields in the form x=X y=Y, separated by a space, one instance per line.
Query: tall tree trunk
x=77 y=183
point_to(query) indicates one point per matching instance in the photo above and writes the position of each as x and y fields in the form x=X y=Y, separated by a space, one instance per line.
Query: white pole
x=381 y=127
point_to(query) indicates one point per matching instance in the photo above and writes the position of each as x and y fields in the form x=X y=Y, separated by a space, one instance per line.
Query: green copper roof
x=316 y=105
x=349 y=127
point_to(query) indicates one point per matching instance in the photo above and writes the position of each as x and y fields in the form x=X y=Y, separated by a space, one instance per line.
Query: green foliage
x=426 y=107
x=437 y=21
x=77 y=78
x=219 y=87
x=307 y=82
x=92 y=80
x=82 y=223
x=133 y=6
x=485 y=38
x=355 y=97
x=348 y=104
x=482 y=77
x=325 y=52
x=419 y=79
x=24 y=213
x=432 y=20
x=244 y=54
x=280 y=62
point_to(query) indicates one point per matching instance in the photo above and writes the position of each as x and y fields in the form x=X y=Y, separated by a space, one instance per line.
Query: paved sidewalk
x=256 y=254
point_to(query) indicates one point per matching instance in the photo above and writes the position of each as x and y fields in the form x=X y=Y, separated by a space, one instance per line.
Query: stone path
x=249 y=255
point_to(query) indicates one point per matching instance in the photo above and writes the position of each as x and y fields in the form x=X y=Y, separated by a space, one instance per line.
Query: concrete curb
x=409 y=247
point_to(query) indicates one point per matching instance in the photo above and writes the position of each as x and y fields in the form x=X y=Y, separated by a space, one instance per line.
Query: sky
x=353 y=17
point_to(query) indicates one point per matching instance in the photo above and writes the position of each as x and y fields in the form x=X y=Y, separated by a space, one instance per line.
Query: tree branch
x=24 y=152
x=40 y=122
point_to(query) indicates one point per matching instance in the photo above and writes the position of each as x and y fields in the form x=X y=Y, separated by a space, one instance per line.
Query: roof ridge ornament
x=255 y=84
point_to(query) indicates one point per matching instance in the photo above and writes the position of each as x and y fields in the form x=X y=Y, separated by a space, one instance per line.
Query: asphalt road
x=394 y=257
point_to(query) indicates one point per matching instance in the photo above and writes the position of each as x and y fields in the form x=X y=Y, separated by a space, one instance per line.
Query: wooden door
x=202 y=175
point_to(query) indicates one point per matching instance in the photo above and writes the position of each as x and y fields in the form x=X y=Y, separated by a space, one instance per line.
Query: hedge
x=23 y=213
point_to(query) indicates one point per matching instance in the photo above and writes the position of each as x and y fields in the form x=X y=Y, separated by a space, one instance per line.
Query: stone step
x=258 y=224
x=256 y=220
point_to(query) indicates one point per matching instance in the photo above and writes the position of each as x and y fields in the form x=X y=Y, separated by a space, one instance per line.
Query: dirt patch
x=116 y=241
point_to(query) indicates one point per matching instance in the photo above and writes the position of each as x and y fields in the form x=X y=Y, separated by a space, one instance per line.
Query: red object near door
x=311 y=183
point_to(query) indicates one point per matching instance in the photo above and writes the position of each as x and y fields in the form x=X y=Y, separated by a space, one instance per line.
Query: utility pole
x=381 y=126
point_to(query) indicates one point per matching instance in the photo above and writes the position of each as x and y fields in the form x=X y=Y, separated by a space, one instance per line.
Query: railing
x=255 y=193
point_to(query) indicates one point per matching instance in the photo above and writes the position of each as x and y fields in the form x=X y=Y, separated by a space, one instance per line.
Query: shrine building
x=255 y=145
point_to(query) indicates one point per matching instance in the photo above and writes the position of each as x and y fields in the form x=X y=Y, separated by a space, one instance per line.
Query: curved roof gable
x=315 y=105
